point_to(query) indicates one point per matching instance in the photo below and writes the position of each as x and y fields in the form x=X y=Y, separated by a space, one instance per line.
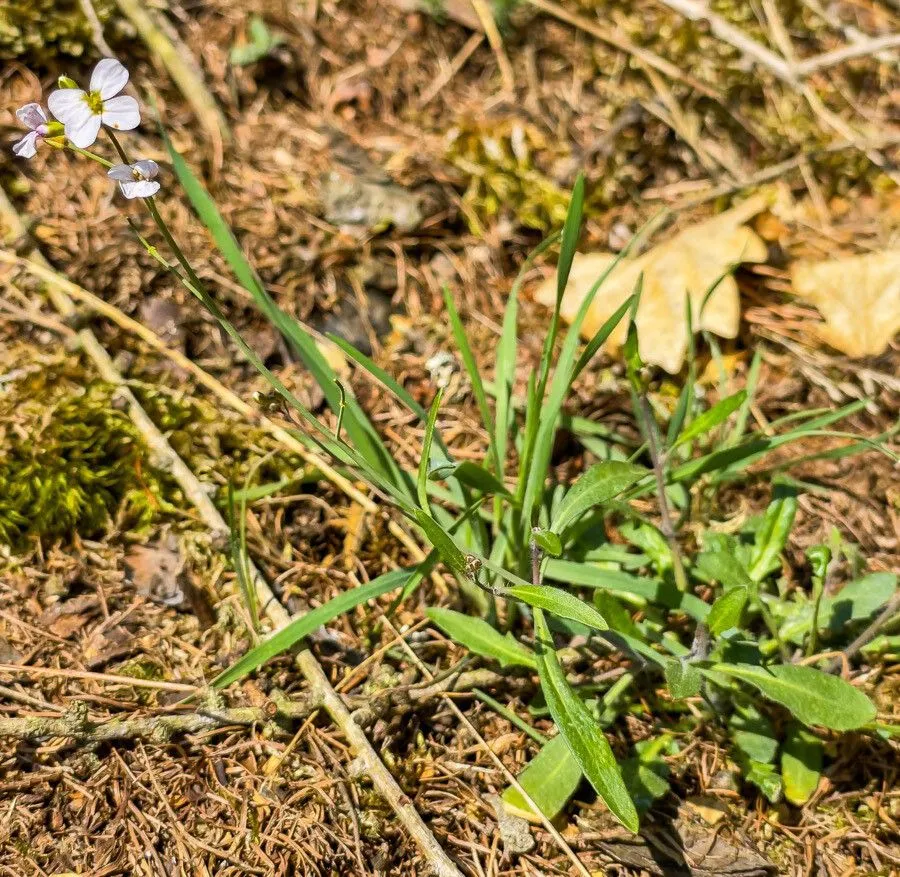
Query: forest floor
x=365 y=105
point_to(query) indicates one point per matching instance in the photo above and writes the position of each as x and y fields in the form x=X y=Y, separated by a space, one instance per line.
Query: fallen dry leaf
x=858 y=296
x=687 y=264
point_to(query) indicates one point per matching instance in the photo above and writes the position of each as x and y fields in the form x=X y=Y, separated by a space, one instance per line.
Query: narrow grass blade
x=471 y=364
x=425 y=461
x=505 y=369
x=299 y=628
x=711 y=418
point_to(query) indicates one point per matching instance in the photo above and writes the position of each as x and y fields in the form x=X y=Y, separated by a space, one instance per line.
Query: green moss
x=498 y=158
x=41 y=30
x=70 y=459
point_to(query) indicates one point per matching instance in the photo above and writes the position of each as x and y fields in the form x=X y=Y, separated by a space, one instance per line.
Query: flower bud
x=66 y=82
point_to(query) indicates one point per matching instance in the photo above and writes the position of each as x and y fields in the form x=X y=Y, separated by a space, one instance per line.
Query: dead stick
x=864 y=47
x=696 y=10
x=157 y=729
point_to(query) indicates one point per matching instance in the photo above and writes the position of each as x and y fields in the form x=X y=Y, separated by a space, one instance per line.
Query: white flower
x=82 y=112
x=32 y=116
x=136 y=180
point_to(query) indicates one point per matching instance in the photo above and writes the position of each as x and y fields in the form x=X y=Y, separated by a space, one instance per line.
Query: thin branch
x=486 y=17
x=859 y=49
x=696 y=10
x=157 y=729
x=623 y=44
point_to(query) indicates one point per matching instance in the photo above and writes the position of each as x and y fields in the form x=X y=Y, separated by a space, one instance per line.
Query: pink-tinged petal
x=147 y=168
x=82 y=132
x=27 y=146
x=31 y=116
x=66 y=103
x=122 y=173
x=109 y=78
x=121 y=113
x=139 y=188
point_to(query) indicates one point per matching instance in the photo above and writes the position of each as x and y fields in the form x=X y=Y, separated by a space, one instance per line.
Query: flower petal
x=139 y=188
x=31 y=115
x=27 y=146
x=83 y=131
x=121 y=113
x=109 y=77
x=65 y=103
x=122 y=173
x=147 y=168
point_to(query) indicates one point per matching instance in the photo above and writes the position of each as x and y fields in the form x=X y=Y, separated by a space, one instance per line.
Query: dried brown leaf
x=858 y=296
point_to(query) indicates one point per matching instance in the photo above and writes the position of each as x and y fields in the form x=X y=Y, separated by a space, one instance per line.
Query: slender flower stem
x=87 y=154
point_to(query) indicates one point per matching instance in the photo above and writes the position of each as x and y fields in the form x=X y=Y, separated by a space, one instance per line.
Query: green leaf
x=538 y=460
x=765 y=778
x=725 y=568
x=856 y=601
x=583 y=734
x=478 y=636
x=296 y=630
x=570 y=235
x=617 y=616
x=727 y=610
x=474 y=476
x=548 y=541
x=474 y=372
x=560 y=603
x=753 y=734
x=683 y=678
x=425 y=460
x=710 y=419
x=814 y=697
x=651 y=590
x=772 y=537
x=550 y=779
x=598 y=485
x=261 y=42
x=801 y=764
x=442 y=541
x=646 y=775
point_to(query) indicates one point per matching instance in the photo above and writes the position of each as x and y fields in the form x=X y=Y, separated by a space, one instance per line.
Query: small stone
x=514 y=830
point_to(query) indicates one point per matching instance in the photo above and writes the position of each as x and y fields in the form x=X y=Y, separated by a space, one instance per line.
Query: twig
x=112 y=678
x=696 y=10
x=87 y=7
x=167 y=49
x=858 y=49
x=623 y=44
x=158 y=729
x=457 y=64
x=486 y=17
x=320 y=687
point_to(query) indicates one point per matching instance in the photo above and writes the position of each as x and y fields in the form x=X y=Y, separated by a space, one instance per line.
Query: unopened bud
x=66 y=82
